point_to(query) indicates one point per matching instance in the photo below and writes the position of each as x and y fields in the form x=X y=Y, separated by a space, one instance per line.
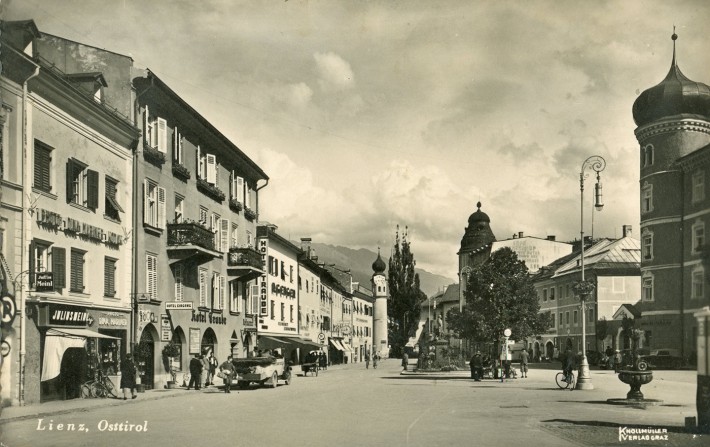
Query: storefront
x=72 y=351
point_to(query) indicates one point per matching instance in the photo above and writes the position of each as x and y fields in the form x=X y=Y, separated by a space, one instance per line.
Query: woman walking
x=128 y=377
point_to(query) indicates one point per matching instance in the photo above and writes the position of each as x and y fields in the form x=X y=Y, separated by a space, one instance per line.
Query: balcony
x=190 y=240
x=244 y=263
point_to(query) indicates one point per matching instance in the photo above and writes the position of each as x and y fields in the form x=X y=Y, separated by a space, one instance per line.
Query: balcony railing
x=244 y=257
x=190 y=233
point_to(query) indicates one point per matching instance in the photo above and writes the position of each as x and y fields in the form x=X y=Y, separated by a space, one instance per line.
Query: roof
x=628 y=310
x=604 y=255
x=449 y=295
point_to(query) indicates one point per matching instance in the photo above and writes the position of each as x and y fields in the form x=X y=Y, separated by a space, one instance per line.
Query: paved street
x=349 y=405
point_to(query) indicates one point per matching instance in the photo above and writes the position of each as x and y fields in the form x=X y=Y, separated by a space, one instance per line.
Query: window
x=291 y=313
x=179 y=208
x=249 y=240
x=247 y=196
x=697 y=283
x=177 y=146
x=273 y=309
x=234 y=239
x=567 y=317
x=156 y=132
x=46 y=258
x=290 y=273
x=82 y=185
x=214 y=227
x=179 y=273
x=698 y=182
x=203 y=216
x=76 y=283
x=552 y=293
x=151 y=276
x=283 y=271
x=43 y=167
x=544 y=294
x=203 y=287
x=590 y=313
x=111 y=204
x=552 y=320
x=647 y=287
x=253 y=300
x=206 y=166
x=236 y=292
x=224 y=235
x=218 y=291
x=647 y=198
x=109 y=277
x=236 y=187
x=647 y=246
x=560 y=320
x=153 y=205
x=698 y=232
x=283 y=311
x=574 y=318
x=648 y=155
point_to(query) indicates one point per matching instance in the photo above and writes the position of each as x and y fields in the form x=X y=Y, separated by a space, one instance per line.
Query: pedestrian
x=367 y=360
x=524 y=363
x=617 y=361
x=609 y=352
x=375 y=359
x=195 y=372
x=211 y=369
x=405 y=360
x=476 y=365
x=227 y=370
x=128 y=377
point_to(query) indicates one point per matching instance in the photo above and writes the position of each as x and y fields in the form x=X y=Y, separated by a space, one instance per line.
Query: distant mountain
x=360 y=264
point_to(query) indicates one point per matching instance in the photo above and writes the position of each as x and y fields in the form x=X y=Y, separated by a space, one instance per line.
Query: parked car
x=664 y=358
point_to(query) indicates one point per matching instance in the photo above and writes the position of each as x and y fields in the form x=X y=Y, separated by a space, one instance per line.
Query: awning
x=311 y=343
x=274 y=339
x=346 y=348
x=70 y=332
x=337 y=345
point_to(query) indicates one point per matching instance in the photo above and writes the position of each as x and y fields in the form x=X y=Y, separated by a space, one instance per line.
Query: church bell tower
x=380 y=341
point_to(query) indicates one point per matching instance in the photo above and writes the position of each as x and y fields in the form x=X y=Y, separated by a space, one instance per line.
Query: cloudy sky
x=370 y=114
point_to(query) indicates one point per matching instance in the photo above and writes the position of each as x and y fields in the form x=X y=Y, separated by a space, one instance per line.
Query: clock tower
x=380 y=341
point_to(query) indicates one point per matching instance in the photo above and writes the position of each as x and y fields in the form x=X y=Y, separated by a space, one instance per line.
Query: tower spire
x=674 y=37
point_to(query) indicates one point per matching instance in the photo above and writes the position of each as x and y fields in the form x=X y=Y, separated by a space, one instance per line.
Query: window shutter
x=224 y=235
x=211 y=169
x=32 y=264
x=147 y=219
x=222 y=289
x=215 y=290
x=162 y=136
x=59 y=269
x=197 y=162
x=161 y=208
x=176 y=145
x=240 y=189
x=231 y=185
x=247 y=198
x=146 y=125
x=92 y=188
x=178 y=282
x=70 y=181
x=203 y=288
x=109 y=276
x=254 y=299
x=151 y=276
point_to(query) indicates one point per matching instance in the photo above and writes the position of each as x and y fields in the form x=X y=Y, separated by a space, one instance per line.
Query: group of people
x=478 y=363
x=375 y=359
x=201 y=363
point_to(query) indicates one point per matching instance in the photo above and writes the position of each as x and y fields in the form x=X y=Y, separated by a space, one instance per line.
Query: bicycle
x=100 y=386
x=565 y=384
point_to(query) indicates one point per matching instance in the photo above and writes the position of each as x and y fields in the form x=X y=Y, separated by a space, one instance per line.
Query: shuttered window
x=151 y=277
x=224 y=235
x=179 y=288
x=154 y=204
x=59 y=267
x=109 y=277
x=253 y=307
x=203 y=287
x=42 y=167
x=112 y=208
x=82 y=184
x=76 y=281
x=162 y=137
x=92 y=189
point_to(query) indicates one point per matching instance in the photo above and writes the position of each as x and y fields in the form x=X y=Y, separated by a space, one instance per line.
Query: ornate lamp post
x=584 y=288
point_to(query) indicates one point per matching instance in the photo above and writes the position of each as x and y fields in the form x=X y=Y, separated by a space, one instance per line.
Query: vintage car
x=265 y=371
x=663 y=358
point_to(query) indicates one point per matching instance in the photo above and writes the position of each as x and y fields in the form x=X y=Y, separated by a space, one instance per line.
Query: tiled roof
x=451 y=294
x=605 y=254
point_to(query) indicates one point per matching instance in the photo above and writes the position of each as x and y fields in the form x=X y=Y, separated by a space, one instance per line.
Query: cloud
x=334 y=72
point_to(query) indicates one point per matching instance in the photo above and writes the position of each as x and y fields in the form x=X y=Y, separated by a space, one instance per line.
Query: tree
x=602 y=328
x=499 y=295
x=405 y=294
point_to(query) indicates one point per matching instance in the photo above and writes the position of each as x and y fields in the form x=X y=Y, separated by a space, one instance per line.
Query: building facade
x=673 y=133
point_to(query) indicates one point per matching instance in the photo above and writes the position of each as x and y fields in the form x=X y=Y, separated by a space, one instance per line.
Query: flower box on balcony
x=244 y=257
x=236 y=205
x=210 y=190
x=190 y=233
x=249 y=213
x=153 y=155
x=181 y=171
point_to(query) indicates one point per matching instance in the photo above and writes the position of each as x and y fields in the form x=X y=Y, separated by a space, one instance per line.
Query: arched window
x=648 y=155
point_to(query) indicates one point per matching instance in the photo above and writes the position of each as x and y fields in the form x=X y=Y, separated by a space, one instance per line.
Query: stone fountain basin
x=635 y=379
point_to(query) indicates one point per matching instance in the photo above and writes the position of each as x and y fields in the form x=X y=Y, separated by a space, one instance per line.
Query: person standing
x=405 y=360
x=195 y=372
x=375 y=359
x=476 y=364
x=617 y=361
x=367 y=359
x=524 y=363
x=227 y=368
x=128 y=377
x=211 y=369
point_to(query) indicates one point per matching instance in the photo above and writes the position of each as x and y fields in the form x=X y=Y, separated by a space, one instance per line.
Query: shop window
x=109 y=355
x=112 y=207
x=76 y=283
x=82 y=184
x=109 y=277
x=42 y=167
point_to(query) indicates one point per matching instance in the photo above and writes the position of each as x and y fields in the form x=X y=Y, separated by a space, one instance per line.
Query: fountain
x=637 y=376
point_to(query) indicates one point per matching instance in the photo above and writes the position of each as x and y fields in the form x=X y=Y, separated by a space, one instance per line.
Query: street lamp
x=584 y=288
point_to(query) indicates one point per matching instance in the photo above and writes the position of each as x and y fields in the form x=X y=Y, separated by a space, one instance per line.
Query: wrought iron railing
x=190 y=233
x=244 y=257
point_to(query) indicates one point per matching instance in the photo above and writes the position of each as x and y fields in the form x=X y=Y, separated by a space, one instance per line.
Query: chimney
x=306 y=246
x=520 y=234
x=626 y=230
x=551 y=237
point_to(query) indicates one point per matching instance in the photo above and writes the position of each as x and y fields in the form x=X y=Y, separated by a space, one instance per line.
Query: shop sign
x=248 y=321
x=44 y=282
x=204 y=317
x=263 y=248
x=147 y=316
x=195 y=340
x=64 y=315
x=53 y=220
x=278 y=289
x=165 y=332
x=178 y=305
x=113 y=319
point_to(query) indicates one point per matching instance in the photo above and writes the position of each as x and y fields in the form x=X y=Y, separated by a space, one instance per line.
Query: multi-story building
x=312 y=315
x=363 y=312
x=673 y=132
x=67 y=180
x=534 y=251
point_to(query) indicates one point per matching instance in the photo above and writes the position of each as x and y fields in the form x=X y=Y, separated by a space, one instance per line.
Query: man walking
x=405 y=360
x=524 y=363
x=195 y=372
x=367 y=360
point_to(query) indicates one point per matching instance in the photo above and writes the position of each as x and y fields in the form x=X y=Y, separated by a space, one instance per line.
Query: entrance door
x=147 y=366
x=72 y=372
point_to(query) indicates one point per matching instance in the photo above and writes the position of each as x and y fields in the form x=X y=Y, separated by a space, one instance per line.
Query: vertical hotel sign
x=263 y=289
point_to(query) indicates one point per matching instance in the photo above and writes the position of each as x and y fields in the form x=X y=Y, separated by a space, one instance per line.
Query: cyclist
x=569 y=363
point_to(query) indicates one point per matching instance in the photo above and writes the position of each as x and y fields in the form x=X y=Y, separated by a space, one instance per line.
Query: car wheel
x=642 y=366
x=274 y=380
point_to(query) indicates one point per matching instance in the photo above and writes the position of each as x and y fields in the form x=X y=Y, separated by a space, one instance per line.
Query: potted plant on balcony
x=171 y=351
x=153 y=155
x=180 y=171
x=249 y=213
x=236 y=205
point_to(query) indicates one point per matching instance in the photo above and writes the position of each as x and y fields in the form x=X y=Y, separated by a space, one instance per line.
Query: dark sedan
x=664 y=359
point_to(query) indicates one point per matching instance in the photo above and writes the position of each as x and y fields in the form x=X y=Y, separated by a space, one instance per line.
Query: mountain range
x=359 y=261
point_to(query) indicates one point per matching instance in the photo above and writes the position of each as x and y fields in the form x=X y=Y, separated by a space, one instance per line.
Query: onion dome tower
x=475 y=247
x=380 y=340
x=673 y=132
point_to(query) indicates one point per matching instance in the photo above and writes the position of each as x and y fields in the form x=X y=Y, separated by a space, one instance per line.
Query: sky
x=371 y=114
